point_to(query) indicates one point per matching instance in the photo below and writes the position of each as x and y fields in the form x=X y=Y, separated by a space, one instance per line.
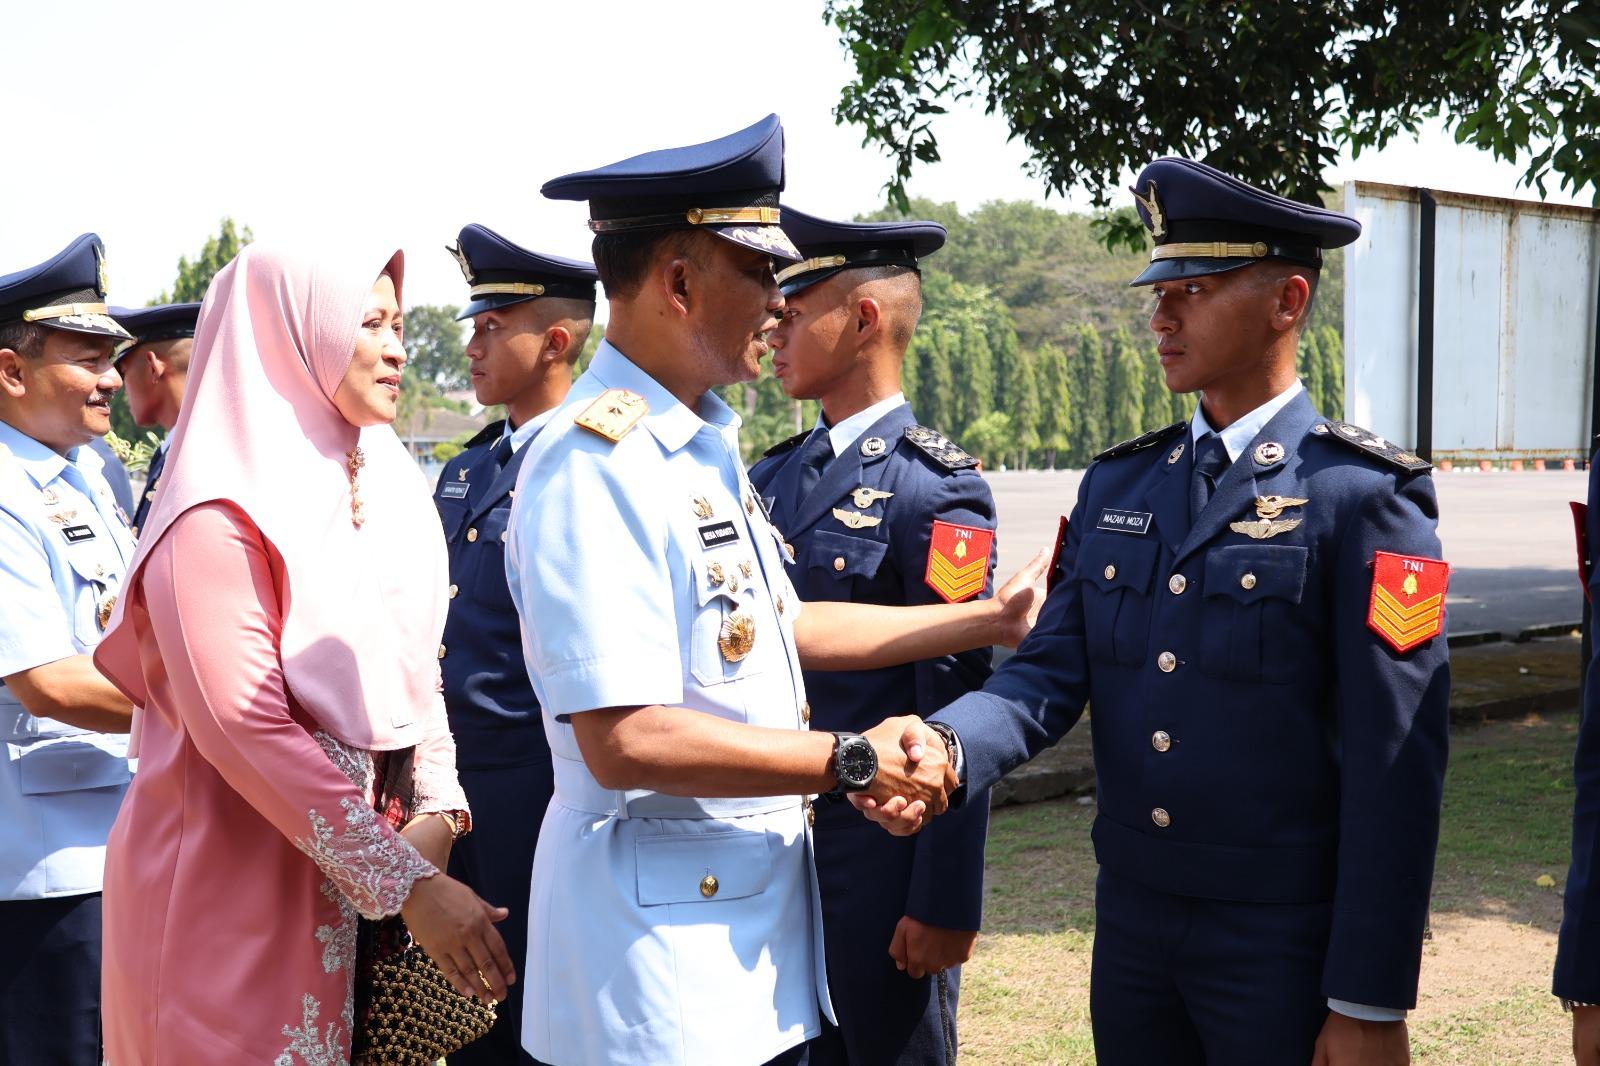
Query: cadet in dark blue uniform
x=1253 y=603
x=154 y=369
x=1577 y=976
x=879 y=510
x=530 y=315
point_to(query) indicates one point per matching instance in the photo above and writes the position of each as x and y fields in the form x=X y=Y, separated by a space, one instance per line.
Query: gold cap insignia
x=1152 y=206
x=461 y=260
x=100 y=264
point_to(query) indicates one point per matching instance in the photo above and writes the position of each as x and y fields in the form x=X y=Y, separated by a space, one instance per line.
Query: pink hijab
x=364 y=607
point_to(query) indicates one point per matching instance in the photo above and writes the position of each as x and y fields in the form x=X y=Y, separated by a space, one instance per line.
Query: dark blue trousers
x=1198 y=982
x=496 y=860
x=885 y=1017
x=50 y=981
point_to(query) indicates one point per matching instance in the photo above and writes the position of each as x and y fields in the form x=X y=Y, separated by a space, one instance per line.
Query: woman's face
x=370 y=392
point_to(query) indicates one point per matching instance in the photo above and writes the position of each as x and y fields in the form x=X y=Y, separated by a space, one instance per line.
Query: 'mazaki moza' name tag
x=1124 y=521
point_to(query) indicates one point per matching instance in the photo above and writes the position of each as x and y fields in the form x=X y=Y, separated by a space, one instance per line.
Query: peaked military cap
x=147 y=325
x=66 y=292
x=1206 y=222
x=830 y=247
x=502 y=273
x=729 y=186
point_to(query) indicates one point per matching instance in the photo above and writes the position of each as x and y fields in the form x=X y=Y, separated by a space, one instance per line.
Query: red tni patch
x=1580 y=521
x=958 y=560
x=1407 y=599
x=1052 y=575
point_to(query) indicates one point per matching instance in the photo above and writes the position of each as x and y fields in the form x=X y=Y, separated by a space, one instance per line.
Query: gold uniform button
x=472 y=534
x=709 y=886
x=503 y=535
x=838 y=562
x=1248 y=581
x=453 y=591
x=1161 y=741
x=1161 y=817
x=1167 y=661
x=1177 y=583
x=805 y=712
x=1111 y=571
x=441 y=651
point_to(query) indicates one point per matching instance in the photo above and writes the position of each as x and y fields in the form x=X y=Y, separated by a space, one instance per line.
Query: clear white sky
x=148 y=122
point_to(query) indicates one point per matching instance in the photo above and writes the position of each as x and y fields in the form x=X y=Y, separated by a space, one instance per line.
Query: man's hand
x=920 y=949
x=914 y=778
x=1586 y=1036
x=1346 y=1041
x=1018 y=601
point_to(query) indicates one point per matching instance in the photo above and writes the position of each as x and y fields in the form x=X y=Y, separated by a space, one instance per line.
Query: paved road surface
x=1508 y=537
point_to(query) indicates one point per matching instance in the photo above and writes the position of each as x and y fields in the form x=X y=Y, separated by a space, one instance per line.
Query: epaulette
x=1367 y=441
x=488 y=433
x=785 y=445
x=613 y=413
x=940 y=448
x=1148 y=440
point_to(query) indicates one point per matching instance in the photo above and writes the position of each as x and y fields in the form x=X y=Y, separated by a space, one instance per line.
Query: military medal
x=702 y=508
x=714 y=574
x=746 y=569
x=1177 y=453
x=737 y=637
x=1268 y=453
x=958 y=560
x=1407 y=606
x=865 y=497
x=103 y=612
x=855 y=519
x=873 y=447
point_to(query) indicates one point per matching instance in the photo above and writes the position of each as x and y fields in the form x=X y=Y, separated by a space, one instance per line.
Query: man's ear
x=157 y=365
x=557 y=341
x=13 y=377
x=1294 y=294
x=869 y=319
x=677 y=281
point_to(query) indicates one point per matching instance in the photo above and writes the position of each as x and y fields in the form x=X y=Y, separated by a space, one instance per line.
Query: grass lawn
x=1485 y=996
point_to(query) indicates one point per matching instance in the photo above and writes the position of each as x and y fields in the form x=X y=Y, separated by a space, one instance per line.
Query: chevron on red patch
x=958 y=560
x=1407 y=599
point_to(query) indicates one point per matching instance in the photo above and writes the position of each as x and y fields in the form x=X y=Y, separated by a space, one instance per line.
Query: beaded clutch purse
x=413 y=1015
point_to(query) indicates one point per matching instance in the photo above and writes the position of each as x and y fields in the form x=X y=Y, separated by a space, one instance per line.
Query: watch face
x=857 y=763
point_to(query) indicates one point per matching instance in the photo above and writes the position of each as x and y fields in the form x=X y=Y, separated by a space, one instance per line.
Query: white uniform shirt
x=64 y=546
x=662 y=929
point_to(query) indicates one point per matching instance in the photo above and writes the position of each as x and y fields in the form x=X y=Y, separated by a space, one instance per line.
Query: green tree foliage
x=935 y=400
x=1125 y=389
x=1331 y=346
x=1267 y=90
x=1091 y=403
x=991 y=438
x=436 y=346
x=195 y=275
x=972 y=367
x=1057 y=418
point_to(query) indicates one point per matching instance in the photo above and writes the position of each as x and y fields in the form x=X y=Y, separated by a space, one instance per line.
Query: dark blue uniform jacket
x=1578 y=952
x=493 y=711
x=885 y=564
x=1304 y=757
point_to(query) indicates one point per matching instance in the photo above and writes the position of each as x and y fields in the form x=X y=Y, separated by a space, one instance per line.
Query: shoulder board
x=939 y=448
x=1367 y=441
x=1148 y=440
x=785 y=445
x=613 y=413
x=487 y=435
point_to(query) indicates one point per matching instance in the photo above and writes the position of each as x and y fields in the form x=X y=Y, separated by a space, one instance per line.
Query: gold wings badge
x=1265 y=528
x=854 y=519
x=865 y=497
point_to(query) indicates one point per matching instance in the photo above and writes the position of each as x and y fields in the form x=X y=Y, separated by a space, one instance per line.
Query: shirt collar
x=40 y=462
x=669 y=421
x=1239 y=435
x=849 y=430
x=528 y=430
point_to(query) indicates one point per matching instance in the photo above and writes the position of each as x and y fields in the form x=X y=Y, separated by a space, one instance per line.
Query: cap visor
x=768 y=240
x=491 y=303
x=95 y=324
x=805 y=281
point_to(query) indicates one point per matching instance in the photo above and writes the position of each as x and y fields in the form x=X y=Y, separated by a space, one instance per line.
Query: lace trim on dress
x=308 y=1046
x=372 y=865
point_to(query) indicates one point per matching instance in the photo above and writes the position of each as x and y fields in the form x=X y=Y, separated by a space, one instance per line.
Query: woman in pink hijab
x=279 y=627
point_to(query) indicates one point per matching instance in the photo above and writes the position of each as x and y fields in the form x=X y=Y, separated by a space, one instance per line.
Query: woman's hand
x=432 y=837
x=456 y=929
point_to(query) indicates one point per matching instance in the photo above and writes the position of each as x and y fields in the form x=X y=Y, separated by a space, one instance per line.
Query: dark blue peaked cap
x=501 y=273
x=830 y=247
x=66 y=292
x=1207 y=222
x=729 y=185
x=164 y=322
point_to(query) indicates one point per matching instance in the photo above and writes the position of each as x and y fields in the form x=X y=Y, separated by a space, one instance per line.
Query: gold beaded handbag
x=409 y=1014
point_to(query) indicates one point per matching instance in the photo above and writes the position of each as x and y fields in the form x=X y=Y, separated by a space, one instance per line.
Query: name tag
x=718 y=534
x=455 y=490
x=1124 y=521
x=77 y=534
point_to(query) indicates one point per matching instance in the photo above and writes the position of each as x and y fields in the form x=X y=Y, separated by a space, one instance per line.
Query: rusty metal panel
x=1514 y=314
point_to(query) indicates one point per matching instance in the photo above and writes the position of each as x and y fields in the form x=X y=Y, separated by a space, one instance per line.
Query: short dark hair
x=25 y=338
x=623 y=259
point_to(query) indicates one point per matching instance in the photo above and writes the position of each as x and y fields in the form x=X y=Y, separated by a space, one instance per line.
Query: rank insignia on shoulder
x=1407 y=607
x=1154 y=437
x=785 y=445
x=1367 y=441
x=613 y=413
x=958 y=560
x=940 y=448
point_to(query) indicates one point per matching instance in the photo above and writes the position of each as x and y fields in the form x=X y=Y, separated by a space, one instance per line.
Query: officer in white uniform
x=668 y=926
x=64 y=545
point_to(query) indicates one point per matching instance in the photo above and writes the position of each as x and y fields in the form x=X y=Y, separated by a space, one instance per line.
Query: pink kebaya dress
x=248 y=843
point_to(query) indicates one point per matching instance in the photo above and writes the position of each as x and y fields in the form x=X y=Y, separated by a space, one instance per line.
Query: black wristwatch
x=855 y=763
